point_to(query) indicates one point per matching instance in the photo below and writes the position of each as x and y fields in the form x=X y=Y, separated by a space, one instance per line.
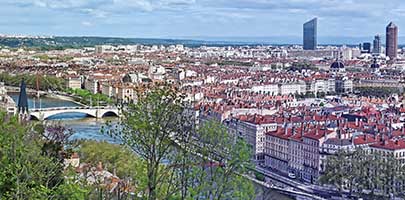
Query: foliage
x=361 y=172
x=147 y=129
x=72 y=191
x=377 y=91
x=115 y=158
x=45 y=82
x=228 y=159
x=305 y=96
x=182 y=162
x=299 y=66
x=259 y=176
x=88 y=98
x=27 y=170
x=61 y=43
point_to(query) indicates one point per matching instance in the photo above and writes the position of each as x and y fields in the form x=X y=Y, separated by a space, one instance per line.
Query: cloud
x=203 y=17
x=86 y=23
x=104 y=5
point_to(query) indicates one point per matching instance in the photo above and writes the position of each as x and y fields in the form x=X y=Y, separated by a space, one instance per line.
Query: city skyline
x=195 y=18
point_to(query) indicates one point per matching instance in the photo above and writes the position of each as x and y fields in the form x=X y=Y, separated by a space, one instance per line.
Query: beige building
x=73 y=82
x=125 y=93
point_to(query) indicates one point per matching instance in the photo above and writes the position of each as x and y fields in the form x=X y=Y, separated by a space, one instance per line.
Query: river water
x=84 y=127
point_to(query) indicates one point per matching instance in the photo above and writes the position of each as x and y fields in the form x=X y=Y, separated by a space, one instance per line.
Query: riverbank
x=33 y=92
x=64 y=97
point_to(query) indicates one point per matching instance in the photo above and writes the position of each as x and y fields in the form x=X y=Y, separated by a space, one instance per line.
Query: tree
x=115 y=158
x=361 y=171
x=27 y=171
x=336 y=170
x=181 y=161
x=148 y=128
x=224 y=160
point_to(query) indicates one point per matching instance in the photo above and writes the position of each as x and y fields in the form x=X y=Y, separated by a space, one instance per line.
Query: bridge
x=96 y=112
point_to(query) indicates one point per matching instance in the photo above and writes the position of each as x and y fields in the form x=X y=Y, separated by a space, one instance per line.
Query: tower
x=391 y=41
x=377 y=44
x=22 y=107
x=310 y=34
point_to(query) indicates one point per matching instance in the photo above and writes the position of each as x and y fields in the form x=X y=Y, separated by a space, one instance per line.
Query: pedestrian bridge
x=96 y=112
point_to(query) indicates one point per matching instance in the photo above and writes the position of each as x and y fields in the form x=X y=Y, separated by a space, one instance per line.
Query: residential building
x=73 y=82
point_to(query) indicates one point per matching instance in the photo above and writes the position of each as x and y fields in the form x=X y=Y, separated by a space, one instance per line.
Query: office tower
x=392 y=41
x=310 y=34
x=377 y=44
x=367 y=47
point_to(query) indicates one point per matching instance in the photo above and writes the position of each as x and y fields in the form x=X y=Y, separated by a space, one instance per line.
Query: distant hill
x=76 y=42
x=66 y=42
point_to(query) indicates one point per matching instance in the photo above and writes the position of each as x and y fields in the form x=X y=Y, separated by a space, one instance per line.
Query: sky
x=198 y=18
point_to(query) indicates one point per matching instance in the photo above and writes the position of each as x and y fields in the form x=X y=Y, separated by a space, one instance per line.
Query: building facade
x=310 y=34
x=377 y=44
x=392 y=41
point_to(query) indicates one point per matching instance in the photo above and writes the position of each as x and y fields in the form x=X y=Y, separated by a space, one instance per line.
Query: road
x=319 y=191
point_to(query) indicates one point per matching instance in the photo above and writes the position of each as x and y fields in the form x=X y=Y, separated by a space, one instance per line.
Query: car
x=291 y=175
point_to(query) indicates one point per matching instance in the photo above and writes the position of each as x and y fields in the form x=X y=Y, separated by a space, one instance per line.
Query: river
x=84 y=127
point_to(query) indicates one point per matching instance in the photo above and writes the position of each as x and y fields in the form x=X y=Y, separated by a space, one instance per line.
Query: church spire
x=23 y=99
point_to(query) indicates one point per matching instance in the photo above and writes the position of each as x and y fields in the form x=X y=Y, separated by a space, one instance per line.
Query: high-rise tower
x=392 y=41
x=310 y=34
x=377 y=44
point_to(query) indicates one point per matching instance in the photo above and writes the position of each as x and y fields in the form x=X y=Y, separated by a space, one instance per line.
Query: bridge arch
x=69 y=114
x=91 y=112
x=109 y=113
x=47 y=115
x=34 y=117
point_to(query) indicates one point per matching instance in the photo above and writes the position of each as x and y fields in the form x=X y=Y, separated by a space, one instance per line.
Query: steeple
x=22 y=99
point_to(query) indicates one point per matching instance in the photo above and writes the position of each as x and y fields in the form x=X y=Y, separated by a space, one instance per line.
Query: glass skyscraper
x=377 y=44
x=310 y=34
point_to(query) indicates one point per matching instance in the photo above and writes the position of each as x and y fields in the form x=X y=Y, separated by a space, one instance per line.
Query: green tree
x=115 y=158
x=182 y=162
x=224 y=160
x=336 y=170
x=27 y=171
x=148 y=128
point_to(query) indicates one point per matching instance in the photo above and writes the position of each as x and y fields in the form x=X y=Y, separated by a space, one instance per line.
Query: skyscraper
x=310 y=34
x=377 y=44
x=392 y=41
x=367 y=47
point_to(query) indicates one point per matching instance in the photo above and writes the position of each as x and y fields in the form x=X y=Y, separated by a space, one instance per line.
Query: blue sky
x=219 y=18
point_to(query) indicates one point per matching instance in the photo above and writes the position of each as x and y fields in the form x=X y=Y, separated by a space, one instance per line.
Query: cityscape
x=113 y=117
